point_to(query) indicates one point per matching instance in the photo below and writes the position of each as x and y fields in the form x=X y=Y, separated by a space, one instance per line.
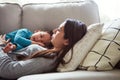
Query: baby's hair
x=50 y=32
x=49 y=45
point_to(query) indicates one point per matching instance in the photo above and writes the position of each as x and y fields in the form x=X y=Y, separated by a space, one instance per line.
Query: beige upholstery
x=9 y=17
x=76 y=75
x=45 y=16
x=49 y=16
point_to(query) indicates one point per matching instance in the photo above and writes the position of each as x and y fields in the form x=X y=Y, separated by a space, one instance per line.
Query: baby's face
x=41 y=36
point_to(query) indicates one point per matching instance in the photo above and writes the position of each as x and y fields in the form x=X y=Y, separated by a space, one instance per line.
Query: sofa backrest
x=50 y=16
x=9 y=17
x=45 y=16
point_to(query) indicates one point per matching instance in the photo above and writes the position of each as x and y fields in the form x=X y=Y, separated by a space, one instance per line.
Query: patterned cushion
x=81 y=48
x=106 y=52
x=117 y=65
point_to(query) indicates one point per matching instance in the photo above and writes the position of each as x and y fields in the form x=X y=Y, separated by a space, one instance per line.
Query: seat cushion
x=76 y=75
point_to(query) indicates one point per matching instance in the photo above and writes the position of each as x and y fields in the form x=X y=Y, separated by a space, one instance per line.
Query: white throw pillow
x=81 y=48
x=106 y=52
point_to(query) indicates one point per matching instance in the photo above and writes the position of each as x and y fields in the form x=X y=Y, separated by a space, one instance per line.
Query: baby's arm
x=21 y=39
x=22 y=36
x=39 y=43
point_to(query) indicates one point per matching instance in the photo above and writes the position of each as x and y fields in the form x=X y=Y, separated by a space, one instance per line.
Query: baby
x=23 y=37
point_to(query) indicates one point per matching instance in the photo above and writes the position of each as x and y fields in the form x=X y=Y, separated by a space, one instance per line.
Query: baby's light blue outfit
x=20 y=37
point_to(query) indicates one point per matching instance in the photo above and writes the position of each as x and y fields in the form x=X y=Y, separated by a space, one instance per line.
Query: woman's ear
x=66 y=42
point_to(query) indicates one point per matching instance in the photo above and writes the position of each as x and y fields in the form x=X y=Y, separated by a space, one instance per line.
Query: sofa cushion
x=76 y=75
x=117 y=65
x=106 y=52
x=51 y=15
x=10 y=17
x=81 y=48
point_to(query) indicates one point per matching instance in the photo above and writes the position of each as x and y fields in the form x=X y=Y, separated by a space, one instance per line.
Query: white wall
x=109 y=9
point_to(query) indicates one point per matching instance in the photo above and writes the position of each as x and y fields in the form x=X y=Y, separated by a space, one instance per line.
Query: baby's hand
x=9 y=47
x=2 y=40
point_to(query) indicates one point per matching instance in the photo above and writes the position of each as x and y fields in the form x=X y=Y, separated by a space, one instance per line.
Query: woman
x=63 y=39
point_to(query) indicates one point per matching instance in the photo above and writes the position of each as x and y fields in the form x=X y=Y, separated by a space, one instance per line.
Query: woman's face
x=58 y=40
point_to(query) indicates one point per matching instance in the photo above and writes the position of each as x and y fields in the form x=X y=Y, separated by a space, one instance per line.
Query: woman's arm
x=14 y=69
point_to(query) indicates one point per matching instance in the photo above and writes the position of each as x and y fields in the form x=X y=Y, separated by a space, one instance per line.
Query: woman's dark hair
x=74 y=30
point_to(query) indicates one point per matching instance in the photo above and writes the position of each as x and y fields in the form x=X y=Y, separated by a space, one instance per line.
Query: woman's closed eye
x=57 y=30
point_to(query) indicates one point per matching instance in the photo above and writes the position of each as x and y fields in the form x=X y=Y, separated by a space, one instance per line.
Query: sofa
x=47 y=16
